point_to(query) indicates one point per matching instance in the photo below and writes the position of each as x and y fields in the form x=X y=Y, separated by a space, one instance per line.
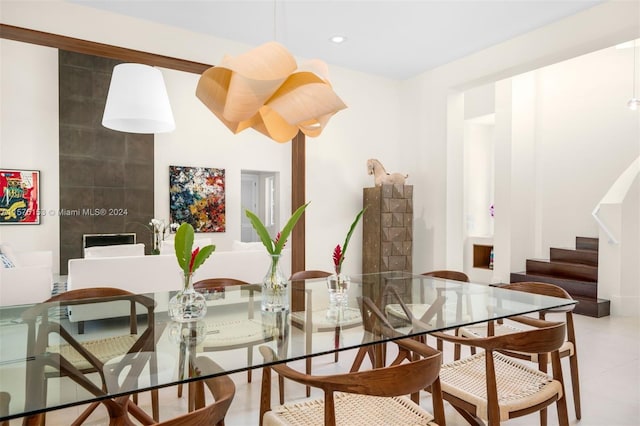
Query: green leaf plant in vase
x=338 y=284
x=188 y=304
x=275 y=285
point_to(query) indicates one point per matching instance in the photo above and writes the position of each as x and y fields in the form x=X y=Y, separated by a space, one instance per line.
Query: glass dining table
x=161 y=349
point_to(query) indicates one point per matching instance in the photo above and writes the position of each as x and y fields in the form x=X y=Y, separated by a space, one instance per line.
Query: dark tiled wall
x=106 y=177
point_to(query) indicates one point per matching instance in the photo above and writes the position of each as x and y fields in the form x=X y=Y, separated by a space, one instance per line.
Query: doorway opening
x=260 y=193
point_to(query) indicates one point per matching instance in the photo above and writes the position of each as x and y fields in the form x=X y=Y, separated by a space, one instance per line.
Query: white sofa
x=167 y=247
x=29 y=281
x=115 y=250
x=159 y=273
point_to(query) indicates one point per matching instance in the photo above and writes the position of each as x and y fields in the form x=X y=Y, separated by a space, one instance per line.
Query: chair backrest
x=88 y=293
x=545 y=289
x=211 y=286
x=87 y=352
x=448 y=275
x=221 y=387
x=399 y=378
x=308 y=275
x=217 y=283
x=547 y=336
x=93 y=295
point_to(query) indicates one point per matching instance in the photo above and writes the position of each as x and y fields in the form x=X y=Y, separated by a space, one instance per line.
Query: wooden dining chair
x=418 y=310
x=568 y=348
x=65 y=356
x=222 y=389
x=219 y=384
x=234 y=333
x=494 y=387
x=377 y=396
x=315 y=318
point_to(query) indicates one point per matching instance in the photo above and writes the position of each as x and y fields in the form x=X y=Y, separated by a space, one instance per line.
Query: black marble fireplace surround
x=106 y=177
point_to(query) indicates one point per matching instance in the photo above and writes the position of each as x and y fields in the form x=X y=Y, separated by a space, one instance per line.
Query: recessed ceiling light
x=338 y=39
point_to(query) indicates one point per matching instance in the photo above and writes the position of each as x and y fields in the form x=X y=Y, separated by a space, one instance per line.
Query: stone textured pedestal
x=387 y=243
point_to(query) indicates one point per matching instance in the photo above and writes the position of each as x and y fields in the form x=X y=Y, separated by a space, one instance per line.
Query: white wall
x=335 y=176
x=586 y=137
x=594 y=29
x=29 y=135
x=478 y=178
x=524 y=158
x=201 y=140
x=403 y=124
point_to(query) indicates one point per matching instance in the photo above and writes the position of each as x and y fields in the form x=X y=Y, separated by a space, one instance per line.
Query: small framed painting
x=197 y=196
x=19 y=197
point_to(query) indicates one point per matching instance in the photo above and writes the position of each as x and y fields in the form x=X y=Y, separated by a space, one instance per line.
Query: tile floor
x=609 y=358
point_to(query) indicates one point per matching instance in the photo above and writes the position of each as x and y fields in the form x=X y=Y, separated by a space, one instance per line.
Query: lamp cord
x=275 y=21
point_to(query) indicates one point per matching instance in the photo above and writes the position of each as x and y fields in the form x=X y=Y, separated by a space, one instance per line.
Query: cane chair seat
x=351 y=409
x=234 y=332
x=104 y=349
x=568 y=348
x=370 y=397
x=492 y=386
x=325 y=320
x=519 y=386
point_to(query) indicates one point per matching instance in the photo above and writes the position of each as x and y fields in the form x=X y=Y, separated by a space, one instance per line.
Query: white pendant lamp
x=137 y=101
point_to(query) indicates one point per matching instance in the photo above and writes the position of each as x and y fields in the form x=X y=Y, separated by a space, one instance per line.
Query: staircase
x=575 y=270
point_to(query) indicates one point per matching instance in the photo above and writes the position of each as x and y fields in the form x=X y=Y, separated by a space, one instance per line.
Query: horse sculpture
x=381 y=177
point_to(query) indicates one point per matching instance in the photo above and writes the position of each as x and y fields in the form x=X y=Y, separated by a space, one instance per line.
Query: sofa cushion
x=8 y=253
x=167 y=246
x=239 y=245
x=115 y=250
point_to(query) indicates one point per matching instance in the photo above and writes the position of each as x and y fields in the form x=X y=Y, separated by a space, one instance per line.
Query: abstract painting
x=196 y=196
x=20 y=197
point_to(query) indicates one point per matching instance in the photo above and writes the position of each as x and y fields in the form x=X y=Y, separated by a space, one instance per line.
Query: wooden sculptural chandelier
x=264 y=89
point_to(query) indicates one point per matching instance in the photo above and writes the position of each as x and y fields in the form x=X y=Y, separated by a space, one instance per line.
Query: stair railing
x=616 y=195
x=594 y=213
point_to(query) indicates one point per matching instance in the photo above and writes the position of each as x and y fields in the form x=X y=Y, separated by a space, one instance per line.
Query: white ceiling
x=395 y=39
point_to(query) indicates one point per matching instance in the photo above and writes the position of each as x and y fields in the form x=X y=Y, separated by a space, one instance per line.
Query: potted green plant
x=275 y=296
x=338 y=284
x=187 y=304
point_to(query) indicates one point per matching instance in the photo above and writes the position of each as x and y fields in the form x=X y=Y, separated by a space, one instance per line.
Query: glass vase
x=275 y=288
x=187 y=304
x=338 y=287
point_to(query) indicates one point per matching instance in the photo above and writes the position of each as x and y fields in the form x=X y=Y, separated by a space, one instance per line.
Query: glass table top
x=159 y=352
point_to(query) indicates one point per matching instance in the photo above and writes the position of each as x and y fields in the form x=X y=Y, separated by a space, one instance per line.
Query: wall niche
x=106 y=177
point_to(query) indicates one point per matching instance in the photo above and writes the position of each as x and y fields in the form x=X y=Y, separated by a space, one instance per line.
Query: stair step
x=583 y=257
x=576 y=288
x=584 y=292
x=586 y=243
x=570 y=271
x=590 y=307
